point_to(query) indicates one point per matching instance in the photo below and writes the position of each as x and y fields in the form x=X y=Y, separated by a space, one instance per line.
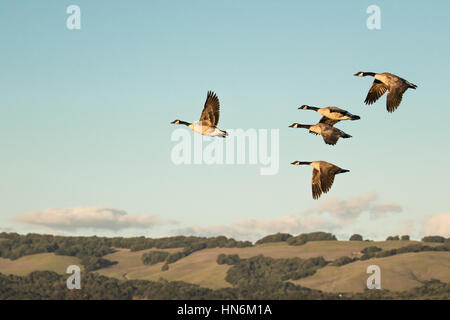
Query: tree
x=313 y=236
x=405 y=238
x=392 y=238
x=277 y=237
x=433 y=239
x=153 y=257
x=356 y=237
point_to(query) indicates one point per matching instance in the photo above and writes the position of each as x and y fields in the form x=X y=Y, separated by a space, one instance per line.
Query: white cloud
x=342 y=213
x=71 y=219
x=407 y=227
x=346 y=211
x=380 y=210
x=437 y=225
x=254 y=229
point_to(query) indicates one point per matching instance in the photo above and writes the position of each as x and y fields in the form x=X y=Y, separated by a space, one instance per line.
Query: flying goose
x=386 y=82
x=329 y=133
x=323 y=176
x=209 y=119
x=331 y=115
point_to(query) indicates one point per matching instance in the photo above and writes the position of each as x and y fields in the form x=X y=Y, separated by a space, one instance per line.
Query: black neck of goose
x=184 y=122
x=312 y=108
x=307 y=163
x=306 y=126
x=372 y=74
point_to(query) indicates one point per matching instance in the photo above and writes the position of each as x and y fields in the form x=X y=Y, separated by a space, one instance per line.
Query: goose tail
x=345 y=135
x=412 y=86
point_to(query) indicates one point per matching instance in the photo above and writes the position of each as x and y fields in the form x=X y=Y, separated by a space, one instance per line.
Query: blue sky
x=85 y=114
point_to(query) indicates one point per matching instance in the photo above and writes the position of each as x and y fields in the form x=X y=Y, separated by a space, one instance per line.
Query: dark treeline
x=435 y=239
x=375 y=252
x=90 y=250
x=40 y=285
x=154 y=257
x=313 y=236
x=277 y=237
x=297 y=240
x=229 y=259
x=342 y=261
x=261 y=269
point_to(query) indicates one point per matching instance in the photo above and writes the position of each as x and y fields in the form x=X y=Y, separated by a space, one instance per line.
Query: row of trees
x=375 y=252
x=50 y=285
x=244 y=272
x=319 y=236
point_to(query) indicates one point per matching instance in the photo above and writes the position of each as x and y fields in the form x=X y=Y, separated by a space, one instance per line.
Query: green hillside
x=305 y=262
x=201 y=267
x=398 y=273
x=37 y=262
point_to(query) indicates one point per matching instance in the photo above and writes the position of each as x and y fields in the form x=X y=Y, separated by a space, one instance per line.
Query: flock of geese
x=323 y=172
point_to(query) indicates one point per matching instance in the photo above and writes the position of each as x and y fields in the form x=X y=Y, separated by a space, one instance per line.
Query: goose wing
x=331 y=135
x=377 y=89
x=211 y=110
x=337 y=110
x=316 y=187
x=328 y=121
x=327 y=177
x=394 y=98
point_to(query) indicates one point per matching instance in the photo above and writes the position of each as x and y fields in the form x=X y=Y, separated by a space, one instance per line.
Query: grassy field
x=128 y=262
x=201 y=266
x=35 y=262
x=399 y=272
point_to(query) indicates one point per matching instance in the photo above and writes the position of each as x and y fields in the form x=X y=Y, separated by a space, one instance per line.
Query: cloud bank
x=341 y=213
x=72 y=219
x=346 y=211
x=253 y=229
x=437 y=225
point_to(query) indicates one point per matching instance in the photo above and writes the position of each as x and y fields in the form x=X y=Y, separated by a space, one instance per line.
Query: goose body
x=334 y=114
x=323 y=175
x=329 y=133
x=383 y=82
x=209 y=118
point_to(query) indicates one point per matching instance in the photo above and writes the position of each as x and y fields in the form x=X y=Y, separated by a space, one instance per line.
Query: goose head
x=298 y=163
x=304 y=107
x=359 y=74
x=176 y=122
x=298 y=125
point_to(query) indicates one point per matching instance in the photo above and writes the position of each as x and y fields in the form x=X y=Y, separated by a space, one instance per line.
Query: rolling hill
x=398 y=273
x=38 y=262
x=201 y=267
